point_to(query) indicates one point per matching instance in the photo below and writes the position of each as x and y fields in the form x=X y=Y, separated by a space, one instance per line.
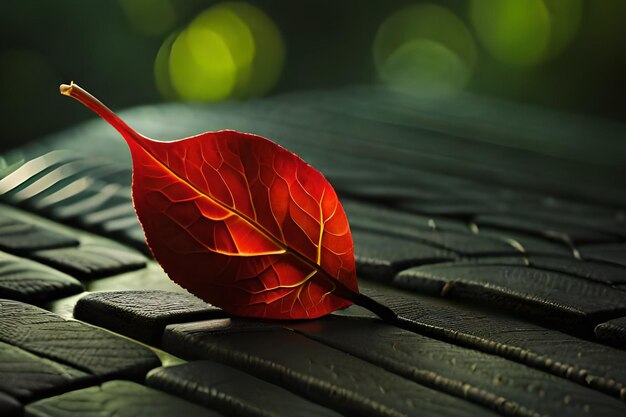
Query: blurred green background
x=563 y=54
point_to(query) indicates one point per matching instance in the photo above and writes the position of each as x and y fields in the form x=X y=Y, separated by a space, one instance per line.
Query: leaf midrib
x=259 y=228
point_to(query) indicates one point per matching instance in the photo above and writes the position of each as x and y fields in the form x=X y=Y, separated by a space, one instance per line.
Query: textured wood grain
x=105 y=207
x=454 y=152
x=587 y=363
x=119 y=399
x=327 y=376
x=418 y=138
x=385 y=220
x=24 y=280
x=231 y=391
x=531 y=291
x=601 y=219
x=28 y=377
x=454 y=207
x=42 y=189
x=9 y=406
x=386 y=216
x=96 y=197
x=473 y=127
x=528 y=244
x=380 y=257
x=595 y=271
x=460 y=242
x=107 y=214
x=613 y=332
x=76 y=344
x=507 y=387
x=383 y=190
x=551 y=229
x=611 y=253
x=142 y=315
x=20 y=237
x=91 y=261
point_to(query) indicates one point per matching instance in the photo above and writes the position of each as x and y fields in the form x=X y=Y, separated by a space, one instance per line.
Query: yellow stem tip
x=65 y=89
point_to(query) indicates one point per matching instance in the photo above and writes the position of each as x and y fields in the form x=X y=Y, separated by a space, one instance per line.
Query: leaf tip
x=65 y=89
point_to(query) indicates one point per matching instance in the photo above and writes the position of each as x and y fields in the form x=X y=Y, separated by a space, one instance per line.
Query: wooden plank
x=92 y=261
x=9 y=406
x=527 y=291
x=25 y=280
x=613 y=332
x=380 y=257
x=142 y=315
x=324 y=375
x=595 y=271
x=590 y=364
x=231 y=391
x=76 y=344
x=28 y=377
x=547 y=228
x=611 y=253
x=20 y=237
x=507 y=387
x=119 y=399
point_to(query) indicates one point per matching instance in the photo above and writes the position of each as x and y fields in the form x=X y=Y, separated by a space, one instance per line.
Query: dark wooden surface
x=232 y=391
x=496 y=233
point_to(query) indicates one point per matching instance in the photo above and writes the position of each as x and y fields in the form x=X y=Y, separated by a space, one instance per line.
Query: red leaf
x=240 y=222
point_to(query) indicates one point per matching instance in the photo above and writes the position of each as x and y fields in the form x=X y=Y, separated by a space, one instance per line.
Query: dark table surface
x=495 y=232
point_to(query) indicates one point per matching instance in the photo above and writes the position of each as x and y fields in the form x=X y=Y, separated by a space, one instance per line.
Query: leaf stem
x=382 y=311
x=76 y=92
x=362 y=300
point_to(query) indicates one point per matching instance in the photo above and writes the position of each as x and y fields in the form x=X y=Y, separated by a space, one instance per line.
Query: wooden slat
x=587 y=363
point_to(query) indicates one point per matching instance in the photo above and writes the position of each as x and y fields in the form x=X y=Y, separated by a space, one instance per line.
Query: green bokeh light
x=424 y=50
x=269 y=57
x=425 y=67
x=162 y=68
x=231 y=50
x=565 y=16
x=523 y=33
x=516 y=32
x=236 y=36
x=201 y=66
